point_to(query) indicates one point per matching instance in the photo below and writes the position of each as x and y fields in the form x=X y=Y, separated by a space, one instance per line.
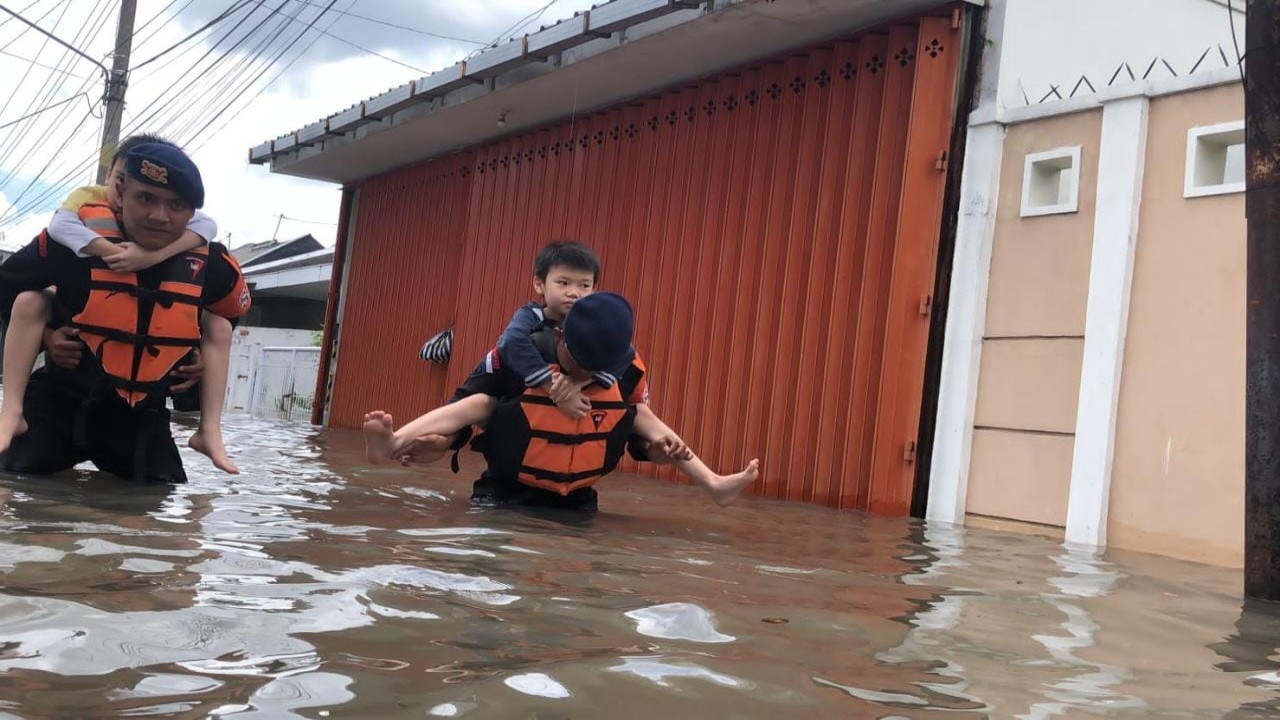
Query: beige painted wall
x=1177 y=484
x=1040 y=265
x=1030 y=384
x=1023 y=476
x=1020 y=467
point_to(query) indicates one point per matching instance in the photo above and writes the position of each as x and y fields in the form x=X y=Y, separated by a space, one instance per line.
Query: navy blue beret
x=597 y=331
x=166 y=166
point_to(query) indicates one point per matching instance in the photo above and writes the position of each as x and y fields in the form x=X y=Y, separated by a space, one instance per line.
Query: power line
x=49 y=90
x=171 y=17
x=175 y=104
x=37 y=201
x=268 y=84
x=48 y=134
x=23 y=11
x=371 y=52
x=306 y=222
x=91 y=26
x=516 y=27
x=52 y=85
x=49 y=167
x=325 y=31
x=234 y=76
x=27 y=73
x=162 y=104
x=187 y=117
x=1231 y=14
x=58 y=186
x=11 y=143
x=30 y=206
x=361 y=47
x=55 y=38
x=189 y=48
x=537 y=16
x=159 y=14
x=268 y=66
x=400 y=27
x=217 y=19
x=37 y=63
x=44 y=109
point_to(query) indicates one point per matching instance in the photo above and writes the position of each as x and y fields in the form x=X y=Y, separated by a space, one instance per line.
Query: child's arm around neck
x=67 y=229
x=200 y=231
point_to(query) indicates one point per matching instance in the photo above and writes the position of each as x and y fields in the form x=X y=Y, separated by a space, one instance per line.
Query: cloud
x=19 y=234
x=395 y=24
x=219 y=110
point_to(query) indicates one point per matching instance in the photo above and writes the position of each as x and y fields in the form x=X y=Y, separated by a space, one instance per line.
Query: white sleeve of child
x=204 y=226
x=66 y=229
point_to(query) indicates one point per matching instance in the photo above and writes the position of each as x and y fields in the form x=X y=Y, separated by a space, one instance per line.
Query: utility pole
x=117 y=82
x=1262 y=375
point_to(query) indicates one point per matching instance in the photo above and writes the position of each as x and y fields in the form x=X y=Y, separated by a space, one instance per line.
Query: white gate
x=246 y=350
x=284 y=382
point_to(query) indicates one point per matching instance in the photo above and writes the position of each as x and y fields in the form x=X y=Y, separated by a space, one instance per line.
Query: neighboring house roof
x=304 y=275
x=272 y=250
x=616 y=51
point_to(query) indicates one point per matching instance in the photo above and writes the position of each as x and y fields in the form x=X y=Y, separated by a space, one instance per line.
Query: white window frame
x=1072 y=203
x=1194 y=136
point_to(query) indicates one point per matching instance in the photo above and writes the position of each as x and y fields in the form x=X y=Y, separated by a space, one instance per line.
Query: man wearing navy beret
x=539 y=456
x=111 y=408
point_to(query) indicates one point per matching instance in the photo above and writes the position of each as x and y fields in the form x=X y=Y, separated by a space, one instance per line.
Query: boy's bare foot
x=210 y=444
x=12 y=425
x=379 y=436
x=726 y=488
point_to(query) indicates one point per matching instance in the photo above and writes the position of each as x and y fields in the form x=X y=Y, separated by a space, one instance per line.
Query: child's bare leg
x=22 y=340
x=724 y=489
x=382 y=442
x=215 y=346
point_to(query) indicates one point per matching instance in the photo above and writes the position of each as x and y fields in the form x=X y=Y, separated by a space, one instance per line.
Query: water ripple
x=313 y=585
x=678 y=621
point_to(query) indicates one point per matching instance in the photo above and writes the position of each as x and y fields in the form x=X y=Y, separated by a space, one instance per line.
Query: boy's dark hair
x=134 y=141
x=566 y=253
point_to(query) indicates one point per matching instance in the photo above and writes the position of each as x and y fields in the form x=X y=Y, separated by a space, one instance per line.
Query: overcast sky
x=220 y=93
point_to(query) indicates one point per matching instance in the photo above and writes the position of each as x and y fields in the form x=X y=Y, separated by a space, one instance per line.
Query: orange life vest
x=138 y=333
x=531 y=440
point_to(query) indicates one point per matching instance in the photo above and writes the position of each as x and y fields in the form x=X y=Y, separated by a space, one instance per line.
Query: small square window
x=1051 y=182
x=1215 y=160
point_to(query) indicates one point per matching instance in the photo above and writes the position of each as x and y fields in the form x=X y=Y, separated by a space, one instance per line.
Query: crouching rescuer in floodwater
x=538 y=455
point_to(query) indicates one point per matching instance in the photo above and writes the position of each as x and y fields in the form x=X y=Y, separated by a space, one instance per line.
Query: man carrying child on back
x=137 y=326
x=574 y=352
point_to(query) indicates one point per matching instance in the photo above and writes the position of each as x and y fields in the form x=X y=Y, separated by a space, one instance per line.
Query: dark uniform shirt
x=492 y=377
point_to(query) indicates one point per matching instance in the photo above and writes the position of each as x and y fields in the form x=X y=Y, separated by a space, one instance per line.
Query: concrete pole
x=117 y=82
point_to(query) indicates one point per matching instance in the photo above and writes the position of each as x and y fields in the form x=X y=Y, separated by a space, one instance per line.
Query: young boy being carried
x=32 y=310
x=565 y=274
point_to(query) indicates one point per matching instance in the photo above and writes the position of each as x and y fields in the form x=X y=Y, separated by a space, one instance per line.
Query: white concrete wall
x=245 y=344
x=1054 y=42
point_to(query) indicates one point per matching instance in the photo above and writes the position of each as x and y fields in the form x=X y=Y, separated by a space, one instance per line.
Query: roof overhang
x=617 y=51
x=302 y=276
x=306 y=283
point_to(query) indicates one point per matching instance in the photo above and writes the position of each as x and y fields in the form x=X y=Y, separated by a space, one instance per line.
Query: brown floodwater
x=316 y=586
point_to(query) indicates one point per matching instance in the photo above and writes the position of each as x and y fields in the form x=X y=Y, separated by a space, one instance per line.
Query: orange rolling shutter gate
x=776 y=228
